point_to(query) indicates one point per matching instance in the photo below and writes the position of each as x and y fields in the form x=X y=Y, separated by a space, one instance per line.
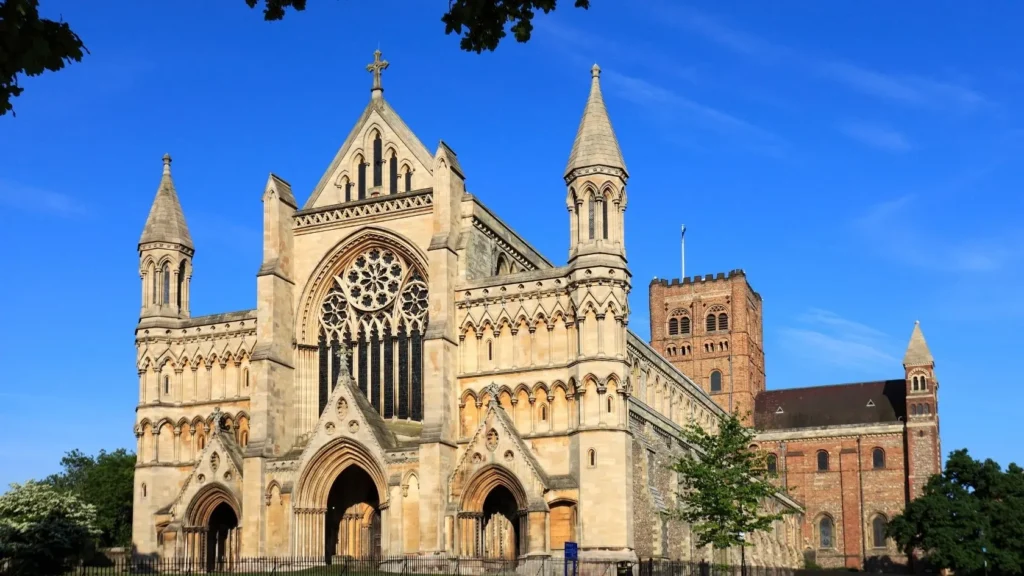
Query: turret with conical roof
x=596 y=176
x=165 y=254
x=924 y=448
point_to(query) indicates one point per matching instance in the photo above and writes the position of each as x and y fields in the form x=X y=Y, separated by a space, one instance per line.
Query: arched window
x=166 y=278
x=490 y=350
x=592 y=457
x=167 y=384
x=543 y=412
x=684 y=325
x=878 y=458
x=878 y=532
x=181 y=283
x=928 y=409
x=673 y=327
x=245 y=378
x=609 y=404
x=723 y=321
x=590 y=210
x=348 y=189
x=913 y=409
x=144 y=491
x=710 y=324
x=716 y=381
x=378 y=161
x=924 y=383
x=408 y=179
x=361 y=172
x=825 y=529
x=201 y=442
x=604 y=218
x=243 y=439
x=913 y=384
x=822 y=461
x=773 y=464
x=393 y=174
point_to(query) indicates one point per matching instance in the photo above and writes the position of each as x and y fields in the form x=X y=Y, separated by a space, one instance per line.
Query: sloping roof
x=836 y=405
x=595 y=143
x=918 y=353
x=166 y=221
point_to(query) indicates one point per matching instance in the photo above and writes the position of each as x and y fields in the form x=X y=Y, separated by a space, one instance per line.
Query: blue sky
x=858 y=159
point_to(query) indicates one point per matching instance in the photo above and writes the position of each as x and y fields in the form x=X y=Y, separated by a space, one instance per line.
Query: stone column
x=600 y=334
x=515 y=344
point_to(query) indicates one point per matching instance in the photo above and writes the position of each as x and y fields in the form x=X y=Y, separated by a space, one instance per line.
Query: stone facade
x=851 y=455
x=415 y=378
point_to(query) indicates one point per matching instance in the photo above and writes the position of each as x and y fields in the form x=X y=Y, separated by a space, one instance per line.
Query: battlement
x=698 y=279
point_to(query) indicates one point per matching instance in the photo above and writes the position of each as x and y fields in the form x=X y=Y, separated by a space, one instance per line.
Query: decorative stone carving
x=342 y=408
x=353 y=426
x=492 y=439
x=329 y=428
x=215 y=461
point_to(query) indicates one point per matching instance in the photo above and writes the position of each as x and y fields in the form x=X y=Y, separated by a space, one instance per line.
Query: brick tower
x=924 y=453
x=710 y=329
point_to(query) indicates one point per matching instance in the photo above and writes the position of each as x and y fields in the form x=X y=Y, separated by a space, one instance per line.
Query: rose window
x=373 y=279
x=372 y=325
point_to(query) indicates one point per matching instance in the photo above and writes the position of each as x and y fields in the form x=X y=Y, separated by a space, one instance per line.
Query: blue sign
x=571 y=551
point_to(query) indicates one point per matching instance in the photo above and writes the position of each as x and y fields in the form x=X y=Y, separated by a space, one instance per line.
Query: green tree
x=724 y=485
x=107 y=481
x=43 y=530
x=969 y=519
x=31 y=45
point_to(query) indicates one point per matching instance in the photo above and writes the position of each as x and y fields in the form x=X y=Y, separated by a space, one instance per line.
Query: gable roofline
x=393 y=121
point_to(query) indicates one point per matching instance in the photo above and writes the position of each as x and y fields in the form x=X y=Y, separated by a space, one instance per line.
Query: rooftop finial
x=167 y=164
x=595 y=70
x=376 y=67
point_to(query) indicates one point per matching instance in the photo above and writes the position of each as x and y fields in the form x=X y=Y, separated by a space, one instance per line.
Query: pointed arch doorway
x=352 y=521
x=212 y=532
x=493 y=522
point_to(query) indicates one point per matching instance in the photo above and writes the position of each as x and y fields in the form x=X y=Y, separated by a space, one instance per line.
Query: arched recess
x=493 y=519
x=562 y=524
x=339 y=503
x=211 y=526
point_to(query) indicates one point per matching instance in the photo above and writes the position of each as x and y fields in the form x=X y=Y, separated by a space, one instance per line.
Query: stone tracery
x=374 y=315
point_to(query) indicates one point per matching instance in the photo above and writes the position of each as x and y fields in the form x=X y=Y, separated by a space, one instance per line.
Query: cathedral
x=417 y=381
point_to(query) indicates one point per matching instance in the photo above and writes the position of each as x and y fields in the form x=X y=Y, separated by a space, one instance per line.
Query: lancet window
x=375 y=315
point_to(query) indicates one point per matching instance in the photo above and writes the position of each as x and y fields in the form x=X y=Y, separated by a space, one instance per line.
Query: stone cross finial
x=595 y=71
x=217 y=418
x=492 y=389
x=376 y=67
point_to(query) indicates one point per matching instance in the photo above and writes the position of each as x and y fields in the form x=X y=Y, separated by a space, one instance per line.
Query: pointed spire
x=595 y=144
x=166 y=221
x=917 y=351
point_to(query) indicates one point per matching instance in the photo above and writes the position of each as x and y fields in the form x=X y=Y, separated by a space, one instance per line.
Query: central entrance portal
x=353 y=516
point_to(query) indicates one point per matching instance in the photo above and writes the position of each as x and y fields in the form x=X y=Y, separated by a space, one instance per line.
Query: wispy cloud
x=889 y=227
x=906 y=89
x=909 y=89
x=876 y=135
x=33 y=199
x=667 y=102
x=829 y=338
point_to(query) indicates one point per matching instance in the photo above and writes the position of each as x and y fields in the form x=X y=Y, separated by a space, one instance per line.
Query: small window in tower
x=684 y=325
x=167 y=384
x=913 y=409
x=927 y=409
x=592 y=457
x=490 y=350
x=773 y=464
x=710 y=324
x=716 y=381
x=924 y=383
x=543 y=412
x=673 y=327
x=723 y=321
x=144 y=491
x=604 y=219
x=878 y=458
x=245 y=378
x=822 y=461
x=825 y=528
x=609 y=404
x=408 y=179
x=167 y=284
x=348 y=191
x=913 y=384
x=590 y=209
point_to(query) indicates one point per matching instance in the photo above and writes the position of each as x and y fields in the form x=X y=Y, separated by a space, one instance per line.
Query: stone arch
x=316 y=288
x=328 y=463
x=206 y=500
x=493 y=514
